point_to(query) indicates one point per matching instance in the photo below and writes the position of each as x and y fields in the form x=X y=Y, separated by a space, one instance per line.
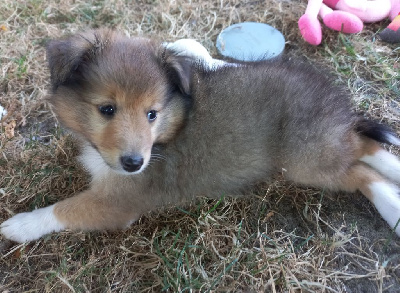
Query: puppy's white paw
x=193 y=49
x=386 y=198
x=189 y=48
x=31 y=226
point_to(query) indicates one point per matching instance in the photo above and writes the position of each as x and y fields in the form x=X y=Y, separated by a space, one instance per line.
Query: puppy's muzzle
x=131 y=163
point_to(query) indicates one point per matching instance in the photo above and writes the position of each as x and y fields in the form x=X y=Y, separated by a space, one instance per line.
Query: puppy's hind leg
x=381 y=160
x=382 y=193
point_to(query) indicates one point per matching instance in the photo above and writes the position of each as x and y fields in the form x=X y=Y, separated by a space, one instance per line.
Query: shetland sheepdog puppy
x=163 y=123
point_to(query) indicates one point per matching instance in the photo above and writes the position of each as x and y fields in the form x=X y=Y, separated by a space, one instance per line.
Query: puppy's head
x=122 y=95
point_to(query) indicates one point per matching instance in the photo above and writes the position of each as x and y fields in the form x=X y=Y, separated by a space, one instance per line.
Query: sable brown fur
x=217 y=133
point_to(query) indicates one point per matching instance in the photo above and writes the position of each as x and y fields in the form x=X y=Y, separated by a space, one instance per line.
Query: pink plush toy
x=372 y=11
x=348 y=16
x=395 y=10
x=366 y=10
x=310 y=27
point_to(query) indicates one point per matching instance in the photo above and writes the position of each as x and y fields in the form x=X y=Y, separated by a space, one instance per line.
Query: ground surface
x=281 y=238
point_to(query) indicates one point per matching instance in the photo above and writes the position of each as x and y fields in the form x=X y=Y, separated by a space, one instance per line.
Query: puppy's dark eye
x=107 y=110
x=151 y=115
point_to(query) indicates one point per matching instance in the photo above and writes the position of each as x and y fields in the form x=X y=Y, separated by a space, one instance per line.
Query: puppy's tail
x=376 y=131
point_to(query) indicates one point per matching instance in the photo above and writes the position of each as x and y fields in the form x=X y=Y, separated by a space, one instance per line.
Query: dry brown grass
x=280 y=239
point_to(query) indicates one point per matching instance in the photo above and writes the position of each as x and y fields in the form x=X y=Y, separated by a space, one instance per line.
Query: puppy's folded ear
x=179 y=69
x=67 y=55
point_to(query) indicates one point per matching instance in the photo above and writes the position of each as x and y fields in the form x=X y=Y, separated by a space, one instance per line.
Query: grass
x=280 y=238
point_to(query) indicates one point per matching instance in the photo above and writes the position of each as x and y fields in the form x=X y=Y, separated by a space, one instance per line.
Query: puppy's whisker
x=158 y=157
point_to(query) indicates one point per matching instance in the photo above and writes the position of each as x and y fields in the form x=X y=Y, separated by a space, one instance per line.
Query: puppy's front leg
x=88 y=210
x=31 y=225
x=192 y=49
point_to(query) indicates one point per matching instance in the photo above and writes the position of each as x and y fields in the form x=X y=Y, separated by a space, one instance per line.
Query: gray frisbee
x=250 y=41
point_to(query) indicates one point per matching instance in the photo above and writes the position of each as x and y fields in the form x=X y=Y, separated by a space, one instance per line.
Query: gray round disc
x=250 y=41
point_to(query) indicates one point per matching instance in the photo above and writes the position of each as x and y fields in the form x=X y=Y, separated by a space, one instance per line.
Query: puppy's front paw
x=31 y=226
x=189 y=48
x=193 y=49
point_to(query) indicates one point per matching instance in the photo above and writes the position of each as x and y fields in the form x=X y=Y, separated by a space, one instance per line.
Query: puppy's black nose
x=131 y=163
